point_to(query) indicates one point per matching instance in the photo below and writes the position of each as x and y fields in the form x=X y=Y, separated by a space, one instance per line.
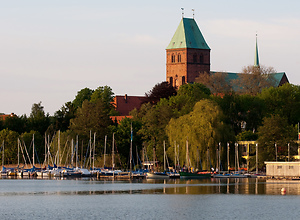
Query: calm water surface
x=148 y=199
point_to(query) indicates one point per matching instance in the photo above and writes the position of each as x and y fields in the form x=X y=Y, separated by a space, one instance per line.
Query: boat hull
x=187 y=175
x=157 y=176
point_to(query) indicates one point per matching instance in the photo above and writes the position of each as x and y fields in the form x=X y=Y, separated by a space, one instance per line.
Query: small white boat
x=157 y=175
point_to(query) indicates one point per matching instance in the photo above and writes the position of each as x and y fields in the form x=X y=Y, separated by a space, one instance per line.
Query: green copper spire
x=188 y=35
x=256 y=58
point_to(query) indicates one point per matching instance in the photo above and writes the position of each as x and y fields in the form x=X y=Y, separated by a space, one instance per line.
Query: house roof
x=125 y=104
x=188 y=35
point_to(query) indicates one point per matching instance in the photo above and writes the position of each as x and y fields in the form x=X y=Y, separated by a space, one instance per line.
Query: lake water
x=148 y=199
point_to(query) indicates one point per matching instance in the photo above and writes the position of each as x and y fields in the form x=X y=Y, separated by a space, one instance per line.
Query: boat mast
x=228 y=164
x=94 y=150
x=187 y=153
x=58 y=148
x=76 y=150
x=33 y=150
x=165 y=168
x=131 y=137
x=72 y=154
x=90 y=143
x=104 y=150
x=113 y=152
x=18 y=153
x=3 y=153
x=175 y=156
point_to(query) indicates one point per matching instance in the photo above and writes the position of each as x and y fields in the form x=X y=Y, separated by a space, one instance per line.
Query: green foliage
x=82 y=95
x=275 y=129
x=154 y=120
x=106 y=96
x=247 y=136
x=91 y=117
x=186 y=98
x=123 y=138
x=202 y=128
x=38 y=120
x=241 y=110
x=16 y=123
x=38 y=141
x=63 y=116
x=284 y=101
x=9 y=139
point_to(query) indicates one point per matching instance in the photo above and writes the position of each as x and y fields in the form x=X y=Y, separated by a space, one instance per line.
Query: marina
x=91 y=198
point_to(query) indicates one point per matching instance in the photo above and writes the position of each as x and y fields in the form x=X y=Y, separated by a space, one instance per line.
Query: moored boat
x=194 y=175
x=157 y=175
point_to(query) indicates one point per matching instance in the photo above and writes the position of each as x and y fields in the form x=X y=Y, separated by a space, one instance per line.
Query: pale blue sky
x=52 y=49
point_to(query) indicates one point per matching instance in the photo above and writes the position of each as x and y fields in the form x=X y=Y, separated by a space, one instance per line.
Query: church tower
x=188 y=55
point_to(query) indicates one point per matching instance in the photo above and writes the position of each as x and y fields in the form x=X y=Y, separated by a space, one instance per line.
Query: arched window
x=171 y=81
x=201 y=59
x=179 y=58
x=183 y=80
x=173 y=58
x=195 y=58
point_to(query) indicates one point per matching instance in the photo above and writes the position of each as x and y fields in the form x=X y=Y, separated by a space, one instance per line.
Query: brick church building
x=188 y=56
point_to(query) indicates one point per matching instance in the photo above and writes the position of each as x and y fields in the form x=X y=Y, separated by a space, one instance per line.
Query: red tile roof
x=125 y=104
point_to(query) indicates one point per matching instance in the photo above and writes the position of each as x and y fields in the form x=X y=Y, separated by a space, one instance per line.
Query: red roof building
x=125 y=104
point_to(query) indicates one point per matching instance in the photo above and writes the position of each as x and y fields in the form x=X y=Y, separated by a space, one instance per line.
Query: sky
x=51 y=49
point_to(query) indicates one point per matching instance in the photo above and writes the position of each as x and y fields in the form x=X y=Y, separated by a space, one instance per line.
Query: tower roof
x=188 y=35
x=256 y=58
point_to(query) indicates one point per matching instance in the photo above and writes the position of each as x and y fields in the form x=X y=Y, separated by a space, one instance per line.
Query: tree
x=159 y=91
x=106 y=95
x=187 y=96
x=91 y=117
x=216 y=82
x=123 y=138
x=9 y=140
x=284 y=101
x=203 y=129
x=275 y=130
x=16 y=123
x=38 y=120
x=82 y=95
x=63 y=116
x=154 y=119
x=253 y=79
x=27 y=137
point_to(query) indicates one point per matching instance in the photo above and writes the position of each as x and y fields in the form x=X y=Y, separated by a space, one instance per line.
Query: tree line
x=193 y=117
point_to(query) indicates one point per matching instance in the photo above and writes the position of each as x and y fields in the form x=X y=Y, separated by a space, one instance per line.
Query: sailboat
x=159 y=175
x=187 y=172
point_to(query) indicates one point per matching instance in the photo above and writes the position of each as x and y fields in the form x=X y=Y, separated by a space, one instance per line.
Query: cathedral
x=188 y=56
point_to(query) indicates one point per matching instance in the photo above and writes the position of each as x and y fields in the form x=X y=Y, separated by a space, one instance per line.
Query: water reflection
x=92 y=186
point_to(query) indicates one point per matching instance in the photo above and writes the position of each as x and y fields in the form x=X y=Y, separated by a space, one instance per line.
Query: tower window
x=179 y=58
x=171 y=81
x=201 y=59
x=183 y=80
x=195 y=58
x=173 y=58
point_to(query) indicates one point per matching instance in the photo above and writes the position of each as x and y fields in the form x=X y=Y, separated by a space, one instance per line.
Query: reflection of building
x=188 y=56
x=283 y=169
